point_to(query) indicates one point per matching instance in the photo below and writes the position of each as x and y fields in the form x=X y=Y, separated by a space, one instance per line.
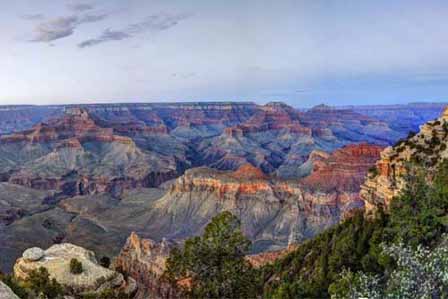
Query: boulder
x=56 y=259
x=33 y=254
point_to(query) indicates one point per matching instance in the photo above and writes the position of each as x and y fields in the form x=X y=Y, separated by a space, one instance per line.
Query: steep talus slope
x=427 y=148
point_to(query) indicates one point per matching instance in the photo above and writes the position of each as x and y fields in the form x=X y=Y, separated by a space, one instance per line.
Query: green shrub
x=40 y=283
x=75 y=266
x=215 y=262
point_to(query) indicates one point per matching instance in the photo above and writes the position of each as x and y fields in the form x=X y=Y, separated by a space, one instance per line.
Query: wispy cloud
x=107 y=35
x=61 y=27
x=151 y=23
x=33 y=17
x=80 y=7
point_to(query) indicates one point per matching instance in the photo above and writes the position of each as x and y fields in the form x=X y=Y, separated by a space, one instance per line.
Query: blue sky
x=301 y=52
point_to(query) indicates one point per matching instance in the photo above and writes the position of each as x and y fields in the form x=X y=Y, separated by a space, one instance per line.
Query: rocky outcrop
x=6 y=293
x=144 y=260
x=427 y=148
x=56 y=260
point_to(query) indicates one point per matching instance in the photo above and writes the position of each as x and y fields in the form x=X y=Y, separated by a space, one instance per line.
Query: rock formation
x=144 y=260
x=428 y=148
x=345 y=169
x=274 y=213
x=75 y=156
x=92 y=174
x=56 y=260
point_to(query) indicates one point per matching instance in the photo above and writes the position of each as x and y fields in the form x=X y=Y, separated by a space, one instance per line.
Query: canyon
x=93 y=174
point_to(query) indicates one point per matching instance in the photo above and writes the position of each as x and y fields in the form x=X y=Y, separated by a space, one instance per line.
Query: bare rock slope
x=428 y=148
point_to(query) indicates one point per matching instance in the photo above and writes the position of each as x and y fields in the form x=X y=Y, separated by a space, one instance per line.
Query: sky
x=302 y=52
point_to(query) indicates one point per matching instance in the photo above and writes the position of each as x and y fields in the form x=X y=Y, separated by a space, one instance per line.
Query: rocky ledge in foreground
x=56 y=259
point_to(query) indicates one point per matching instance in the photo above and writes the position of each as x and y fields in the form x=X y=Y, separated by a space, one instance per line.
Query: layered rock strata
x=427 y=148
x=274 y=213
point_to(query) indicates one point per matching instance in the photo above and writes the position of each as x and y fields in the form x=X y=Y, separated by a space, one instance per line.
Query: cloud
x=92 y=18
x=33 y=17
x=80 y=7
x=156 y=23
x=62 y=27
x=151 y=23
x=107 y=35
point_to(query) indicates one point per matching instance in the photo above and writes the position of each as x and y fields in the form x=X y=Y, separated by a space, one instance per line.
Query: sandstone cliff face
x=345 y=169
x=274 y=213
x=144 y=260
x=428 y=147
x=56 y=260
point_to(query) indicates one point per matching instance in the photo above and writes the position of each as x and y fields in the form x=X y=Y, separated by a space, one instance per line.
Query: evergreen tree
x=214 y=264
